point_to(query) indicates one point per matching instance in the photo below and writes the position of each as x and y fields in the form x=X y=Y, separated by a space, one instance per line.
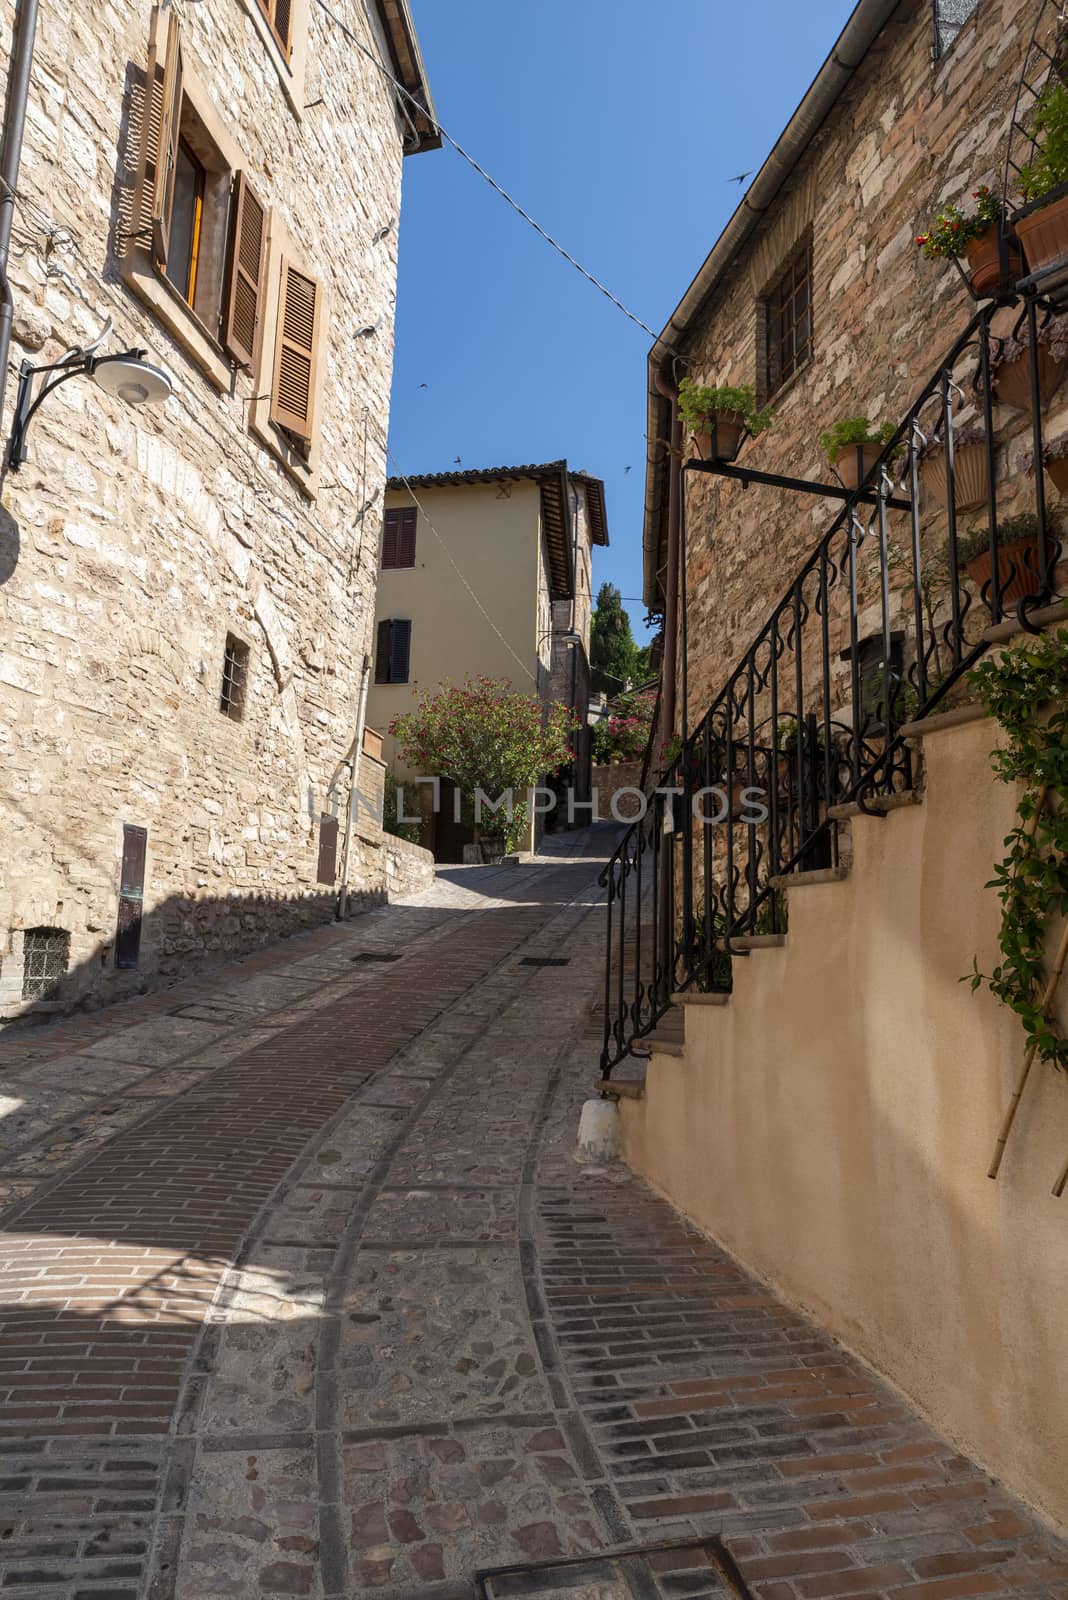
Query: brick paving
x=302 y=1294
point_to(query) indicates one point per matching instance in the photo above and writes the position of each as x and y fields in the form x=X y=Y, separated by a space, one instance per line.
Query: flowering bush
x=952 y=229
x=624 y=735
x=484 y=735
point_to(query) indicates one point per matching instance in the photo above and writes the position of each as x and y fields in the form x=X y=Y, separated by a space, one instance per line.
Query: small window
x=45 y=959
x=398 y=537
x=785 y=323
x=882 y=684
x=234 y=679
x=393 y=655
x=949 y=18
x=187 y=221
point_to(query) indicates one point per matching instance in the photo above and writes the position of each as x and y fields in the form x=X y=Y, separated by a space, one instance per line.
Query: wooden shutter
x=241 y=304
x=131 y=897
x=400 y=650
x=382 y=652
x=326 y=871
x=162 y=145
x=296 y=351
x=279 y=14
x=398 y=537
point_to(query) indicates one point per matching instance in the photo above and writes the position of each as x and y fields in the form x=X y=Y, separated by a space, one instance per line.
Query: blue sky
x=616 y=123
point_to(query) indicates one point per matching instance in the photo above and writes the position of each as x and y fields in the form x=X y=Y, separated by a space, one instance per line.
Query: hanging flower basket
x=1057 y=469
x=984 y=262
x=971 y=471
x=1010 y=372
x=1017 y=566
x=855 y=462
x=722 y=439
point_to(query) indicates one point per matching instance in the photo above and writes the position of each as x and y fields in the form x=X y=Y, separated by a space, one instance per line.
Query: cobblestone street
x=304 y=1294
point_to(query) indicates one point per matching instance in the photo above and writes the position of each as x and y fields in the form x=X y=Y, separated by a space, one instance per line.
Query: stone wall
x=905 y=137
x=607 y=783
x=409 y=868
x=134 y=541
x=832 y=1123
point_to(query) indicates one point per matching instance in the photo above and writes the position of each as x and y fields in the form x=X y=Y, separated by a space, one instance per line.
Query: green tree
x=613 y=652
x=487 y=736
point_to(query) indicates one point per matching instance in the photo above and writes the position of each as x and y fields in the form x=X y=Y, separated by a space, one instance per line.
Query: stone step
x=878 y=802
x=743 y=943
x=660 y=1045
x=622 y=1088
x=801 y=880
x=693 y=997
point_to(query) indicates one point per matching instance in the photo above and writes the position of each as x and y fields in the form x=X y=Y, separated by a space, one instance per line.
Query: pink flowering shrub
x=485 y=735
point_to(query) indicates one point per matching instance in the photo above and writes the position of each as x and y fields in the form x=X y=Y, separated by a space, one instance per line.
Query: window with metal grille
x=882 y=685
x=398 y=537
x=784 y=323
x=394 y=650
x=45 y=959
x=949 y=18
x=234 y=678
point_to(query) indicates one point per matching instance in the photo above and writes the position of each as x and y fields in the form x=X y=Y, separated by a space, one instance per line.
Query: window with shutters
x=784 y=324
x=285 y=410
x=393 y=651
x=283 y=29
x=398 y=537
x=279 y=14
x=198 y=246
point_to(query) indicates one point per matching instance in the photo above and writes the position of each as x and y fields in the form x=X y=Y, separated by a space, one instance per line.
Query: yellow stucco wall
x=493 y=534
x=832 y=1126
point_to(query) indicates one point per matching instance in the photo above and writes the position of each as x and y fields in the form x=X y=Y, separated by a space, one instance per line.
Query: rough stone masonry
x=141 y=550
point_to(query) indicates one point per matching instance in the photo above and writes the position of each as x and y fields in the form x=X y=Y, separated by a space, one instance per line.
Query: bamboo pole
x=1028 y=1060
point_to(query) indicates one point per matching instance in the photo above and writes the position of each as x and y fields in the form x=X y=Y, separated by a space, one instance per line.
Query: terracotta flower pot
x=1017 y=566
x=984 y=261
x=1011 y=378
x=971 y=474
x=722 y=442
x=854 y=463
x=1044 y=235
x=1058 y=472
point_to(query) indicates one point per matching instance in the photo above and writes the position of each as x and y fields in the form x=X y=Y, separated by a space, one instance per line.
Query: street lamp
x=126 y=375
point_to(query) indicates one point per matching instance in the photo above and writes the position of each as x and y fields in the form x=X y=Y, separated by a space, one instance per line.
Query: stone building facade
x=187 y=591
x=919 y=118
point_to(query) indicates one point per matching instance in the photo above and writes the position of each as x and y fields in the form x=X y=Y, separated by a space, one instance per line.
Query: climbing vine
x=1026 y=690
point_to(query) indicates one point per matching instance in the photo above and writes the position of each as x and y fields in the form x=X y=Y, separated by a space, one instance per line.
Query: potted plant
x=853 y=446
x=720 y=417
x=954 y=234
x=1018 y=559
x=1010 y=366
x=971 y=469
x=1043 y=231
x=1055 y=461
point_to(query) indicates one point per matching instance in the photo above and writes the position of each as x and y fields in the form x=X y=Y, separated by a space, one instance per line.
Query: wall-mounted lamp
x=126 y=375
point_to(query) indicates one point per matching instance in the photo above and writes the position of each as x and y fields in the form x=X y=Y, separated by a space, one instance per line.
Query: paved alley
x=303 y=1295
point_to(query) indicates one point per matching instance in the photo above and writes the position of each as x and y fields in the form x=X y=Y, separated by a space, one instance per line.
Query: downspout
x=18 y=91
x=670 y=664
x=353 y=760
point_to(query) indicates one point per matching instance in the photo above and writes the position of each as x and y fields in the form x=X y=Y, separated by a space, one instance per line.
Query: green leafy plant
x=1049 y=169
x=484 y=735
x=698 y=401
x=412 y=831
x=951 y=230
x=1026 y=690
x=854 y=430
x=1024 y=525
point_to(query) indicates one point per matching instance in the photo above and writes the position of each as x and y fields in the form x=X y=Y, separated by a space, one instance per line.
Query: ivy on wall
x=1026 y=690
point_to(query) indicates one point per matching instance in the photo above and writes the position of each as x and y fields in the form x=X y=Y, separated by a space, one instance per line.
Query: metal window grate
x=45 y=959
x=788 y=307
x=234 y=678
x=949 y=18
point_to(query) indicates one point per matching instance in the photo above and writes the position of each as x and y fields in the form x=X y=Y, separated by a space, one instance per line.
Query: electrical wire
x=498 y=188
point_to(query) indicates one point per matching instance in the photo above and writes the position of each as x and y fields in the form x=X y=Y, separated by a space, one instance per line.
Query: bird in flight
x=424 y=386
x=625 y=471
x=740 y=178
x=459 y=461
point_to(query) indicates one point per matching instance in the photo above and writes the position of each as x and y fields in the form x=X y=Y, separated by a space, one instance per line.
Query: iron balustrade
x=874 y=632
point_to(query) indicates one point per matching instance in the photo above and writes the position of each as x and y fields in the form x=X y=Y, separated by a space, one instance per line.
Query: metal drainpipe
x=23 y=35
x=350 y=818
x=670 y=664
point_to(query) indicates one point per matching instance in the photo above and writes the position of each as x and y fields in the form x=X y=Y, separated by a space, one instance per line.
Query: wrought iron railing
x=877 y=628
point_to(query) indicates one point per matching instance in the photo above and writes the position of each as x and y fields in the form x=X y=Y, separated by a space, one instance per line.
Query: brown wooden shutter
x=296 y=351
x=131 y=897
x=279 y=14
x=241 y=305
x=398 y=537
x=400 y=651
x=326 y=871
x=382 y=652
x=162 y=150
x=390 y=532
